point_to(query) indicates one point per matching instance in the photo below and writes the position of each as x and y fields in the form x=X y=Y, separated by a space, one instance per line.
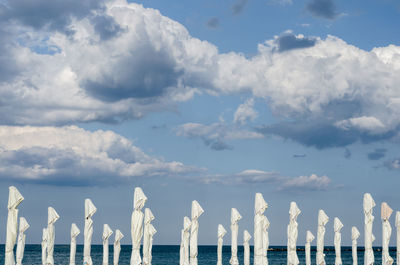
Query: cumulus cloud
x=74 y=156
x=377 y=154
x=245 y=112
x=322 y=9
x=289 y=41
x=306 y=183
x=393 y=164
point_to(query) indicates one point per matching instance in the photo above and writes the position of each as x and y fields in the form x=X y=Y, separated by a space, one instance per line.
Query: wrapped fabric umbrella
x=337 y=226
x=386 y=212
x=44 y=246
x=235 y=217
x=107 y=232
x=398 y=237
x=152 y=232
x=322 y=221
x=184 y=249
x=368 y=205
x=221 y=234
x=292 y=234
x=259 y=208
x=14 y=199
x=52 y=217
x=90 y=210
x=139 y=199
x=265 y=240
x=354 y=236
x=148 y=217
x=117 y=246
x=309 y=238
x=194 y=231
x=246 y=247
x=74 y=233
x=23 y=226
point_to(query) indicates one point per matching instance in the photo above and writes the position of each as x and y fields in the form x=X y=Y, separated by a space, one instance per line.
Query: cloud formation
x=322 y=9
x=377 y=154
x=239 y=6
x=213 y=23
x=290 y=41
x=245 y=112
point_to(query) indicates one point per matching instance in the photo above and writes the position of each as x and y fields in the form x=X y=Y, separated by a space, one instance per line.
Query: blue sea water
x=168 y=255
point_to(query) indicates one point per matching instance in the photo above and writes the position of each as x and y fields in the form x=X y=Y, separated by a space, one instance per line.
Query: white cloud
x=245 y=112
x=74 y=156
x=312 y=182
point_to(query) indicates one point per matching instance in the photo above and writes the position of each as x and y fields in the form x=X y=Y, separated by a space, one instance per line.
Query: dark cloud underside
x=290 y=42
x=322 y=9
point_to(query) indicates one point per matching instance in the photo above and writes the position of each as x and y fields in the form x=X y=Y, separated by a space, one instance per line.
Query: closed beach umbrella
x=354 y=236
x=107 y=232
x=386 y=212
x=148 y=217
x=292 y=234
x=23 y=226
x=117 y=246
x=139 y=199
x=368 y=205
x=74 y=233
x=221 y=234
x=185 y=235
x=44 y=246
x=259 y=208
x=194 y=231
x=309 y=238
x=14 y=199
x=152 y=232
x=265 y=240
x=90 y=210
x=337 y=226
x=246 y=247
x=235 y=217
x=398 y=237
x=322 y=221
x=52 y=217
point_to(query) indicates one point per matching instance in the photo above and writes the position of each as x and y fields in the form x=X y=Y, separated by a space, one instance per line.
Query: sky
x=199 y=100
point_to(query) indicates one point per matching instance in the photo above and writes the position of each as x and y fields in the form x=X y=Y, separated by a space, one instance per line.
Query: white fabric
x=139 y=199
x=368 y=205
x=52 y=217
x=354 y=236
x=74 y=233
x=292 y=233
x=235 y=217
x=309 y=238
x=90 y=210
x=246 y=247
x=322 y=221
x=386 y=212
x=194 y=231
x=148 y=217
x=265 y=240
x=337 y=226
x=44 y=246
x=221 y=234
x=397 y=224
x=23 y=226
x=259 y=208
x=152 y=232
x=117 y=246
x=184 y=250
x=14 y=199
x=107 y=232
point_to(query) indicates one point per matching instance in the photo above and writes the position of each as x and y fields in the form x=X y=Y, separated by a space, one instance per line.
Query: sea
x=169 y=255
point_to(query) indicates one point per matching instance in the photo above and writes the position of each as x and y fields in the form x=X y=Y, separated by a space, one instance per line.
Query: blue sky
x=205 y=100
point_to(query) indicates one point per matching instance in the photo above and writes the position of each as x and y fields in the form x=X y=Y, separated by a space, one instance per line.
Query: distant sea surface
x=168 y=255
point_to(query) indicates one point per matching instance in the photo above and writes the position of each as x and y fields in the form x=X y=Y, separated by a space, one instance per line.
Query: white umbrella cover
x=322 y=221
x=23 y=226
x=148 y=217
x=221 y=234
x=246 y=247
x=386 y=212
x=44 y=246
x=337 y=226
x=354 y=236
x=152 y=232
x=194 y=231
x=265 y=240
x=309 y=238
x=14 y=199
x=398 y=237
x=52 y=217
x=117 y=246
x=139 y=199
x=235 y=217
x=107 y=232
x=184 y=250
x=90 y=210
x=292 y=234
x=259 y=208
x=368 y=205
x=74 y=233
